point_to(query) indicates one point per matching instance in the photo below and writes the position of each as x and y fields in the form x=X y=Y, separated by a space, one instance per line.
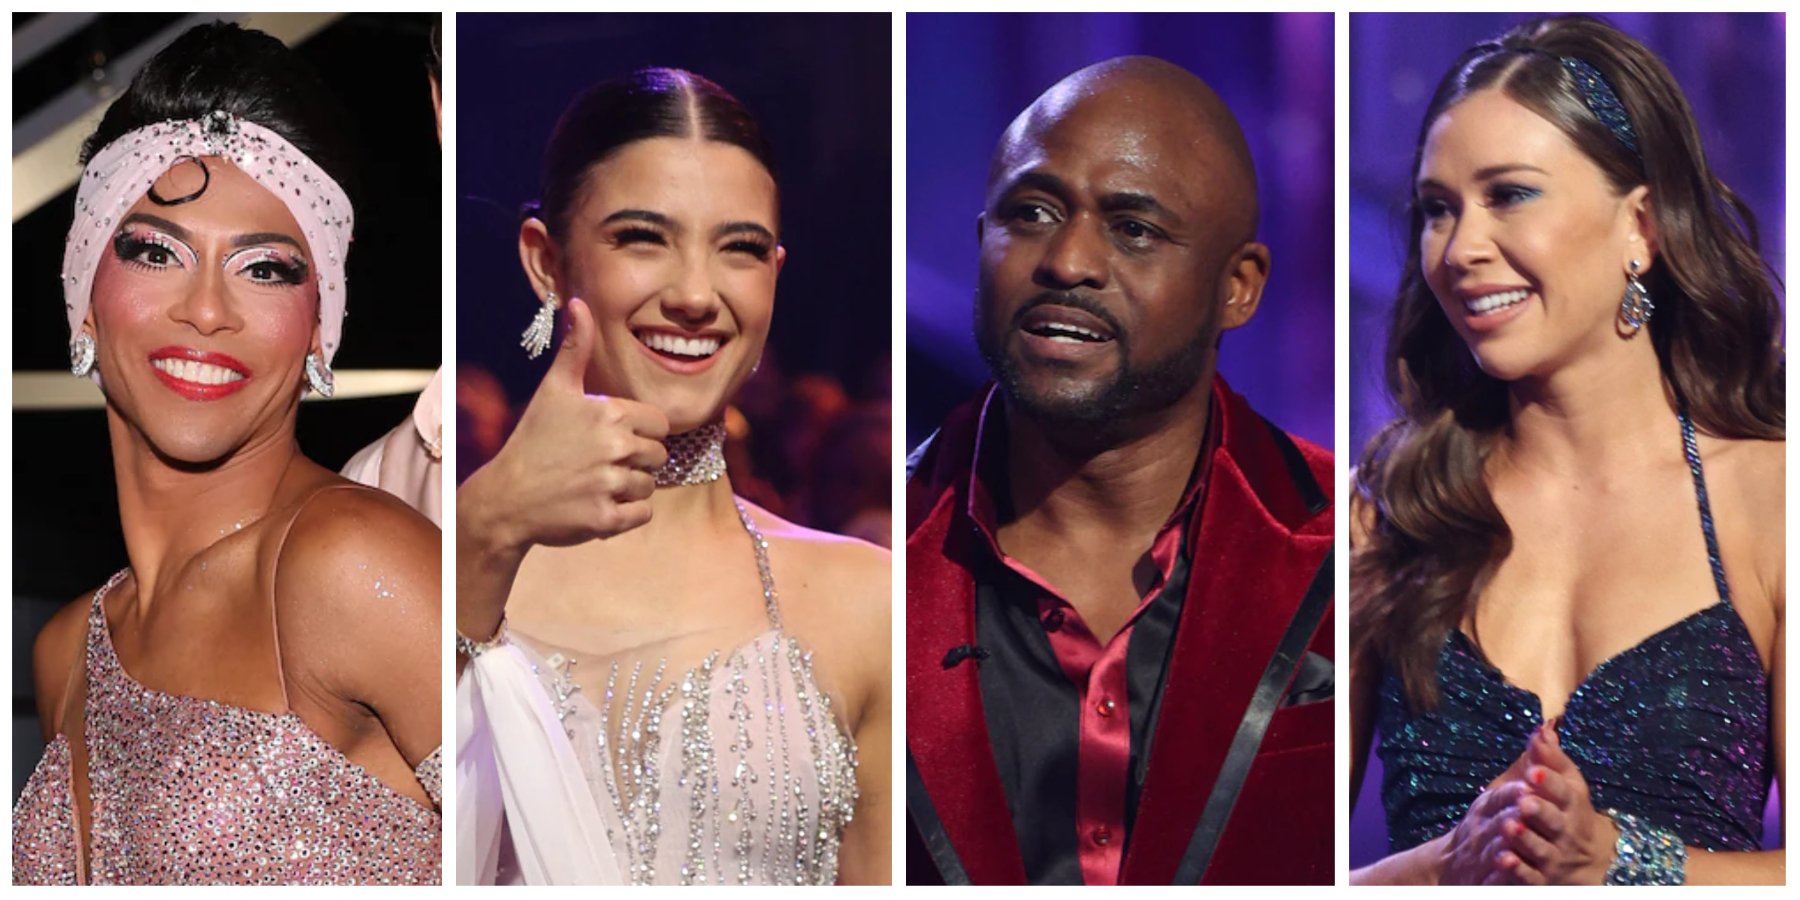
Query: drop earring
x=537 y=337
x=81 y=354
x=318 y=376
x=1635 y=308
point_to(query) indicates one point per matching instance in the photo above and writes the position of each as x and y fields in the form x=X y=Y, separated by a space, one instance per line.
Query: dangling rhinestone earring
x=318 y=376
x=537 y=337
x=1635 y=308
x=81 y=355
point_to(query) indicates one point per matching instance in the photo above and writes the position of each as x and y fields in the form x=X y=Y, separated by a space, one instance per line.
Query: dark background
x=1730 y=66
x=66 y=537
x=969 y=75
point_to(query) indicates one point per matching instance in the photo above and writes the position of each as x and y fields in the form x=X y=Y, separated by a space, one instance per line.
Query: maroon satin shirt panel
x=1098 y=671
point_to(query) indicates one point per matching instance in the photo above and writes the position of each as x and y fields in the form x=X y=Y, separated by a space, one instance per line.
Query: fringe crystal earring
x=1635 y=308
x=81 y=354
x=318 y=376
x=537 y=337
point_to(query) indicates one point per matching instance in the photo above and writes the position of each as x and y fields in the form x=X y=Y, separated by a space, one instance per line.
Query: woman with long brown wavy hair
x=1567 y=568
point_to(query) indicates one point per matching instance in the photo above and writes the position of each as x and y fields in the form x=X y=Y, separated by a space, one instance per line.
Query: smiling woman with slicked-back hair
x=660 y=682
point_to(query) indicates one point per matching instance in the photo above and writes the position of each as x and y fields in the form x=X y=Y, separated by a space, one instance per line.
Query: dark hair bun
x=223 y=66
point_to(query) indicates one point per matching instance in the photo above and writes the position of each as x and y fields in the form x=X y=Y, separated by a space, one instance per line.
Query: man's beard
x=1131 y=390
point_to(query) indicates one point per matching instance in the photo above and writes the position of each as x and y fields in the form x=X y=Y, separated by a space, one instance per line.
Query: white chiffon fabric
x=733 y=770
x=517 y=770
x=637 y=758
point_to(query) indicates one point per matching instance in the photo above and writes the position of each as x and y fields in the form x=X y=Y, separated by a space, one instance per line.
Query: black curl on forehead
x=224 y=67
x=647 y=103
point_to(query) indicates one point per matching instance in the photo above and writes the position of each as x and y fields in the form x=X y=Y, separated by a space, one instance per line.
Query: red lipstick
x=197 y=390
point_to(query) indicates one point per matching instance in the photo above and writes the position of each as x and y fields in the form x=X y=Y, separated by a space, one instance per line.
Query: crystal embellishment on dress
x=733 y=771
x=1673 y=730
x=695 y=457
x=191 y=791
x=430 y=773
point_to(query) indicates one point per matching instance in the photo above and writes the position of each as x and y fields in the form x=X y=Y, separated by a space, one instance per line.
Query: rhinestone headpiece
x=1602 y=100
x=695 y=457
x=127 y=168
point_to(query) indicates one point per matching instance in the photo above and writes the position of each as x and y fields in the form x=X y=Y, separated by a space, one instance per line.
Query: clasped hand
x=1535 y=824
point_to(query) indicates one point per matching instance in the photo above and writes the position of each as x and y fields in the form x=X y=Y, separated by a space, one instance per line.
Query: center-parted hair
x=1433 y=530
x=647 y=103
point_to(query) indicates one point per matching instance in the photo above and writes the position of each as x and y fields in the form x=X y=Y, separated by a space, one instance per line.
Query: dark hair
x=222 y=66
x=647 y=103
x=1433 y=531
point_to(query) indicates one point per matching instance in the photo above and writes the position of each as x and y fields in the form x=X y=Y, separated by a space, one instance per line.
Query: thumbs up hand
x=578 y=466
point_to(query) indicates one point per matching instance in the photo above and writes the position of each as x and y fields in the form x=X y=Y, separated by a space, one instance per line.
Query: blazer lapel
x=1249 y=575
x=946 y=728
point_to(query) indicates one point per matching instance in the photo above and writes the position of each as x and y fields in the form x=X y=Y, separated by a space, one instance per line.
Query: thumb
x=570 y=366
x=1546 y=750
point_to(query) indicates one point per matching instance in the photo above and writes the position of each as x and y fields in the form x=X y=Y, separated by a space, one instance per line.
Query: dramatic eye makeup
x=637 y=234
x=142 y=247
x=747 y=239
x=750 y=247
x=643 y=228
x=1510 y=194
x=267 y=265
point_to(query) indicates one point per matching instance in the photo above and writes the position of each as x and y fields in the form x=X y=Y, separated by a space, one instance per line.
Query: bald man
x=1118 y=574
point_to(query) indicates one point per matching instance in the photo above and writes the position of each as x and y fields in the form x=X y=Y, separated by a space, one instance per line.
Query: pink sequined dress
x=676 y=760
x=191 y=791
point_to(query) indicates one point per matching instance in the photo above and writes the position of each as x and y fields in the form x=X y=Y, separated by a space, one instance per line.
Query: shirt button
x=1102 y=835
x=1104 y=708
x=1053 y=620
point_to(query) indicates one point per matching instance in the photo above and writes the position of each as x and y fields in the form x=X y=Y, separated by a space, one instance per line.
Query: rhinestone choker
x=695 y=457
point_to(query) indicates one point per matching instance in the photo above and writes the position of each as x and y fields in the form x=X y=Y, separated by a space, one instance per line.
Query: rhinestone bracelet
x=470 y=648
x=1645 y=853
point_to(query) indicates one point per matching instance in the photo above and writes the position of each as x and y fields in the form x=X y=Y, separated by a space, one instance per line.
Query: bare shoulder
x=835 y=590
x=837 y=597
x=1756 y=459
x=1747 y=481
x=856 y=571
x=58 y=648
x=358 y=560
x=1753 y=474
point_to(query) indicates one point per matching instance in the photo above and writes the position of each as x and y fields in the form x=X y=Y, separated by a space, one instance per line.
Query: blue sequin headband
x=1602 y=100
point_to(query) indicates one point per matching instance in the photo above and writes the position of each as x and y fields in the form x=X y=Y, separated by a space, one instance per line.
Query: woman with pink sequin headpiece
x=255 y=698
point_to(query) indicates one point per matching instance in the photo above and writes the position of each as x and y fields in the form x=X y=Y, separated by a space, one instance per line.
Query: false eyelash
x=285 y=272
x=625 y=236
x=758 y=249
x=130 y=245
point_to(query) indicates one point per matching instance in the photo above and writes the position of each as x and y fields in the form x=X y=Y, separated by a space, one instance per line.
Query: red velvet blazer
x=1257 y=540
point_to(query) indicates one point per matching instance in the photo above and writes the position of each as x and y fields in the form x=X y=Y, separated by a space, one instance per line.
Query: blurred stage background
x=811 y=439
x=969 y=75
x=67 y=68
x=1732 y=70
